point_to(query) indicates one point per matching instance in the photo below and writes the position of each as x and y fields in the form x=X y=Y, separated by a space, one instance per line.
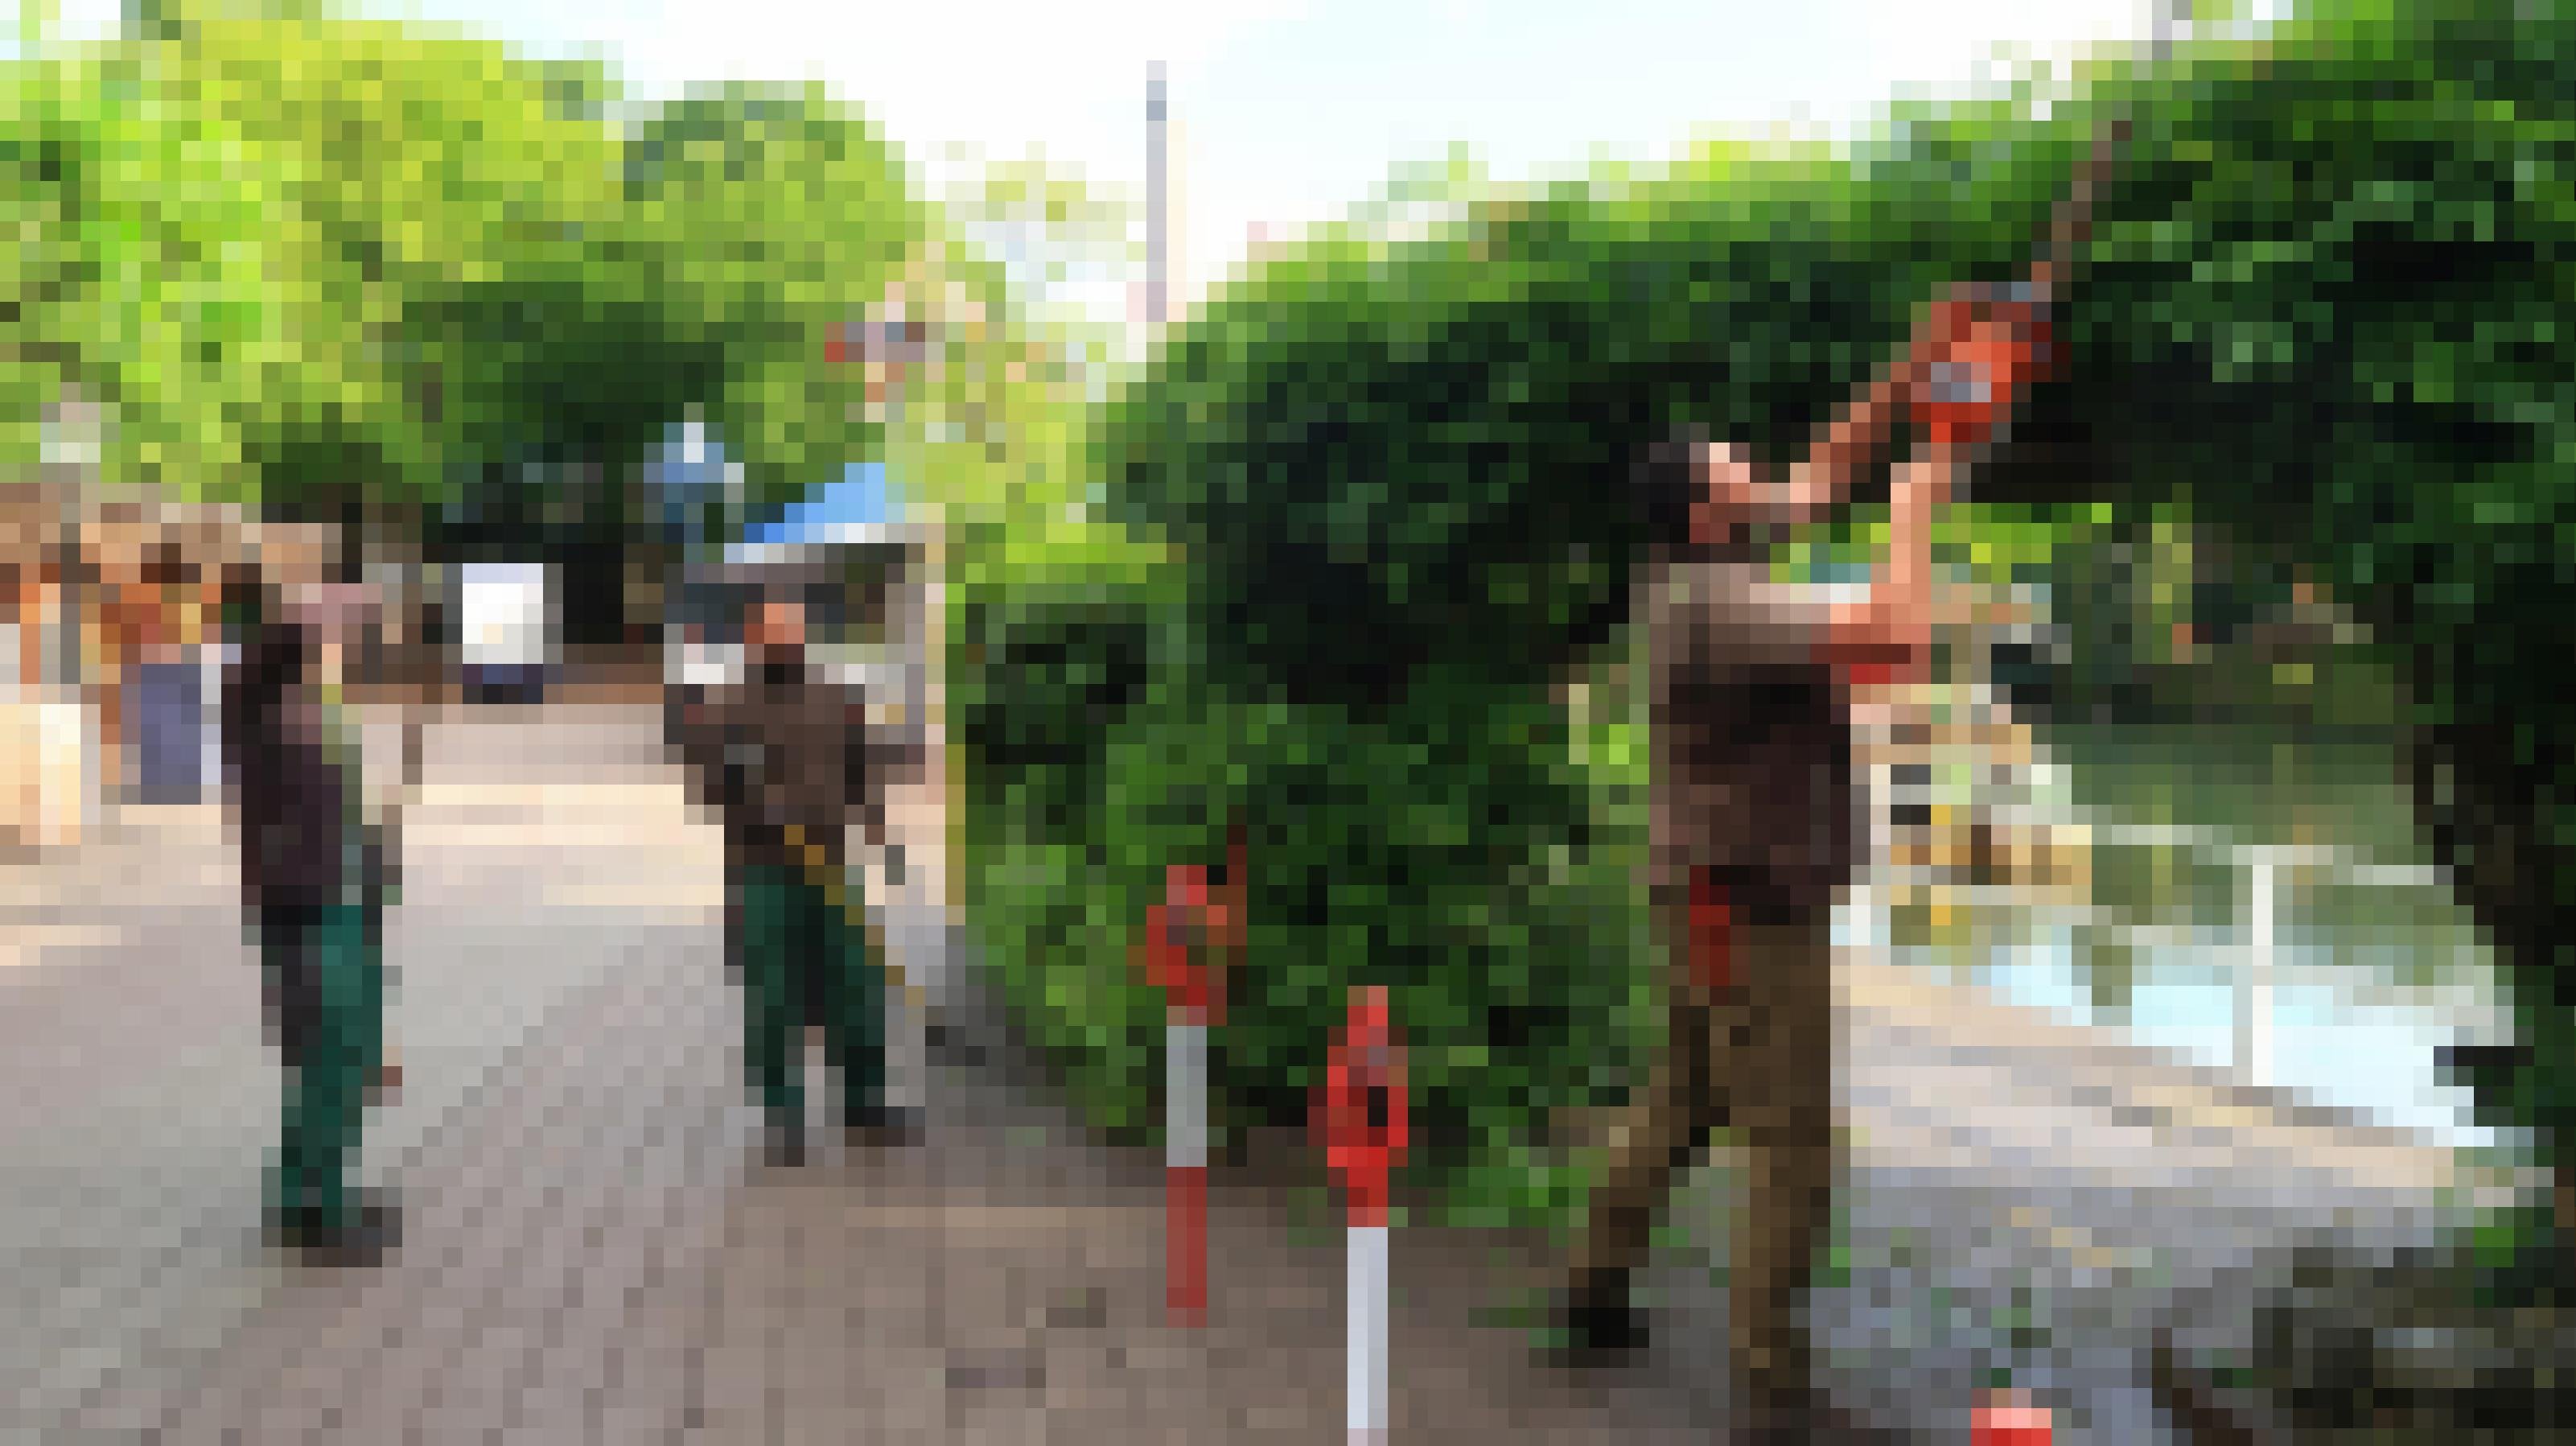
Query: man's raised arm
x=1729 y=611
x=1819 y=481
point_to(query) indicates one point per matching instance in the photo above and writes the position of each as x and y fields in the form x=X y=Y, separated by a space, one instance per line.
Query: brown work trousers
x=1758 y=1056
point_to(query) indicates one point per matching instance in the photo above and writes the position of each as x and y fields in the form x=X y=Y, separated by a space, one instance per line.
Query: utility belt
x=770 y=844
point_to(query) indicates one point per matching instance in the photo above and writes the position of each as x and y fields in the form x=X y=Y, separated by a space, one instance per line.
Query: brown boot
x=372 y=1231
x=885 y=1127
x=1805 y=1418
x=782 y=1147
x=1595 y=1326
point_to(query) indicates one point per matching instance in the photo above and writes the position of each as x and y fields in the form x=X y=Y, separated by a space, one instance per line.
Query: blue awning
x=858 y=506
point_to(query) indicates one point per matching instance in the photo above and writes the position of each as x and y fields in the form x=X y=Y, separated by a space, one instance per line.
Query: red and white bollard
x=1361 y=1115
x=2009 y=1418
x=1179 y=933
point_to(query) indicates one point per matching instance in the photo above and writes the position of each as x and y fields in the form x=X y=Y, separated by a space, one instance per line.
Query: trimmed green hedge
x=1517 y=960
x=2326 y=299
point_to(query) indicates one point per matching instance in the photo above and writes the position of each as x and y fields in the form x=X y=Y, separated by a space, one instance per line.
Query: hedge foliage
x=2326 y=302
x=1092 y=772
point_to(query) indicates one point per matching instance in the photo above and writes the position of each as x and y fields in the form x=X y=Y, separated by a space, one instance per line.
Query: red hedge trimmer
x=1969 y=399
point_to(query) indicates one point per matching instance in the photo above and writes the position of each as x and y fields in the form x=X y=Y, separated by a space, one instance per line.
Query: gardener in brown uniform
x=783 y=757
x=1753 y=828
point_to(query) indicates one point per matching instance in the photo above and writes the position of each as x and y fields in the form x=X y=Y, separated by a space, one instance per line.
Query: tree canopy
x=308 y=259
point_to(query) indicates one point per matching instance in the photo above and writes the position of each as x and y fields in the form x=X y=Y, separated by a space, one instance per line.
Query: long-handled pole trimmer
x=1985 y=406
x=836 y=889
x=1976 y=405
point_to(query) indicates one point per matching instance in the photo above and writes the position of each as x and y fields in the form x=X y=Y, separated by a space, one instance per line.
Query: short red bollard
x=1174 y=964
x=1361 y=1114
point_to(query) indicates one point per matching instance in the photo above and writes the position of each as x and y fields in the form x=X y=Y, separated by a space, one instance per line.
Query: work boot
x=1599 y=1326
x=1808 y=1419
x=373 y=1229
x=885 y=1125
x=782 y=1147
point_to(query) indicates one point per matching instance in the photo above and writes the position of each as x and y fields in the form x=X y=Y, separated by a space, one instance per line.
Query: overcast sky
x=1292 y=110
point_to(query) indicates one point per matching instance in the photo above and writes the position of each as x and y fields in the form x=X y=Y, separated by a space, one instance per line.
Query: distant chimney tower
x=1158 y=145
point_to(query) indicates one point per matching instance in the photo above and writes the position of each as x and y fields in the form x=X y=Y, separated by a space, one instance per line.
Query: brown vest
x=771 y=756
x=1752 y=743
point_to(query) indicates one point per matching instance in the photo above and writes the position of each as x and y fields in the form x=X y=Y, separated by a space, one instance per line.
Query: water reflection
x=2368 y=978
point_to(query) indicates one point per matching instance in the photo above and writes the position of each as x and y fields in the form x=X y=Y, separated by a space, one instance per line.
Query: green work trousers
x=326 y=962
x=805 y=963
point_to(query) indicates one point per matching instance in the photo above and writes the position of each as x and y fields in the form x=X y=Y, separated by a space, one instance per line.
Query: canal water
x=2369 y=979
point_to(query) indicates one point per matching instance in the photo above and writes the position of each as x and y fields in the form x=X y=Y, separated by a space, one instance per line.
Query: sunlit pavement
x=593 y=1255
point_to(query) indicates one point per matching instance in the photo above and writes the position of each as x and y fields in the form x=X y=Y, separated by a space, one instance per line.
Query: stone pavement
x=594 y=1254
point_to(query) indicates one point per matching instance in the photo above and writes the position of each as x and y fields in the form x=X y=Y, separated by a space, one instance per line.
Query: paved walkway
x=594 y=1255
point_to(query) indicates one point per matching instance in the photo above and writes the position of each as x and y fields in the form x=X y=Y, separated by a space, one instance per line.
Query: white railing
x=2259 y=865
x=1969 y=704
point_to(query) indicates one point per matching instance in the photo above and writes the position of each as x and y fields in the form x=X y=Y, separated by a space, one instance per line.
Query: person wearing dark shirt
x=783 y=758
x=308 y=886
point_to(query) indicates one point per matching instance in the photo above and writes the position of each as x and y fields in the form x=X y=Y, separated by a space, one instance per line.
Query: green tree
x=767 y=218
x=257 y=234
x=145 y=273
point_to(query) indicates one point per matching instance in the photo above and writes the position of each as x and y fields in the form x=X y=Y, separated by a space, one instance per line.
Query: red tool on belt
x=1712 y=931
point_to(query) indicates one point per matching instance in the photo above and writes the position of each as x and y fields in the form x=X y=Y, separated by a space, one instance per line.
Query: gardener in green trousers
x=784 y=757
x=309 y=863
